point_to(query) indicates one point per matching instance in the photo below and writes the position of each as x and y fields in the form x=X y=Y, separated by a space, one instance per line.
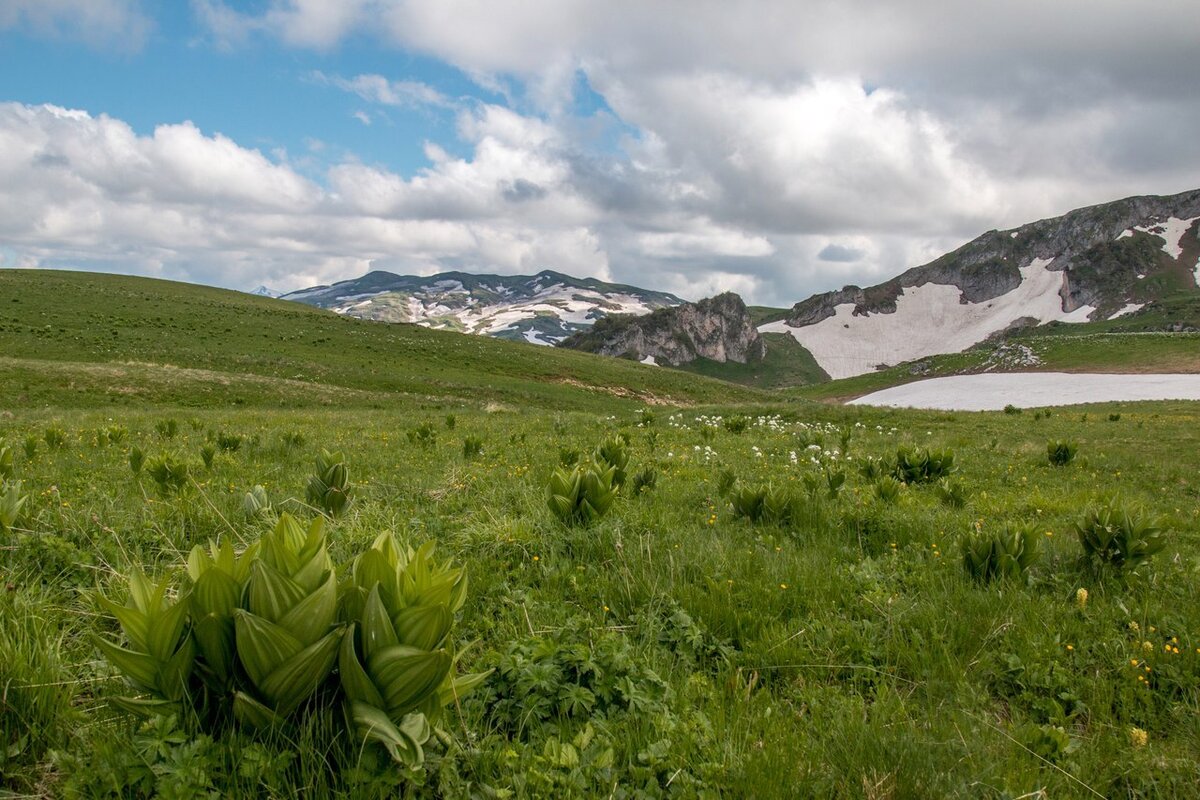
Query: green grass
x=787 y=363
x=678 y=649
x=761 y=315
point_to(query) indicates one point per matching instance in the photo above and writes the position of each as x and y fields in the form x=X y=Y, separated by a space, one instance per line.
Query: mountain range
x=1091 y=264
x=542 y=309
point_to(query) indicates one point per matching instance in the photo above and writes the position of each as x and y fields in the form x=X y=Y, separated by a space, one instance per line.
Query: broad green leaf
x=165 y=629
x=262 y=645
x=374 y=724
x=310 y=619
x=377 y=629
x=139 y=668
x=173 y=676
x=355 y=681
x=406 y=676
x=132 y=620
x=272 y=594
x=298 y=677
x=250 y=712
x=215 y=592
x=423 y=627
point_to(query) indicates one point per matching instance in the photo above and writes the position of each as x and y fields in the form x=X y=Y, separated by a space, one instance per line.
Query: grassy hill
x=688 y=643
x=255 y=350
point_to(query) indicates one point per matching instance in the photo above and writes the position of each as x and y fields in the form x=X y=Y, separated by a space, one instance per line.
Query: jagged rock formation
x=1090 y=264
x=718 y=328
x=542 y=309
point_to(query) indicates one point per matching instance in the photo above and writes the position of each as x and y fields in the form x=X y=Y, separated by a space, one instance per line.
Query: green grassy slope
x=138 y=325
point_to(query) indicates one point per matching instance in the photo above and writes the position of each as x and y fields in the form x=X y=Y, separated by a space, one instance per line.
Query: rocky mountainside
x=543 y=309
x=1090 y=264
x=719 y=329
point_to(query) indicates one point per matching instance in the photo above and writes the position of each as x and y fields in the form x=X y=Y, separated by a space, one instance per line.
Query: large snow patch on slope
x=928 y=320
x=994 y=391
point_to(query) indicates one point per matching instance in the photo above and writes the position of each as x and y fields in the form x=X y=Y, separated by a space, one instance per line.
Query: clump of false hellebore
x=276 y=631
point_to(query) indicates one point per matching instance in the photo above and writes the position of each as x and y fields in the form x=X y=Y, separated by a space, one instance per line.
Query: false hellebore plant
x=253 y=636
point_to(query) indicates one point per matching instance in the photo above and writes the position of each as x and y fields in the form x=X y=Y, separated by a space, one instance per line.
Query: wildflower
x=1138 y=737
x=537 y=558
x=1081 y=598
x=1070 y=648
x=783 y=586
x=1147 y=647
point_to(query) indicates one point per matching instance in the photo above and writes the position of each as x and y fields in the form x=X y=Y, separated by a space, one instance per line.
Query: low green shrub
x=644 y=480
x=613 y=453
x=472 y=447
x=922 y=465
x=169 y=474
x=6 y=463
x=55 y=437
x=583 y=495
x=725 y=482
x=887 y=490
x=1006 y=555
x=136 y=459
x=253 y=636
x=229 y=442
x=952 y=493
x=1112 y=535
x=255 y=502
x=736 y=423
x=12 y=501
x=1060 y=452
x=329 y=490
x=764 y=504
x=424 y=435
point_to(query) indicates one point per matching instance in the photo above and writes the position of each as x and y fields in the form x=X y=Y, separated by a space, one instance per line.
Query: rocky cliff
x=719 y=329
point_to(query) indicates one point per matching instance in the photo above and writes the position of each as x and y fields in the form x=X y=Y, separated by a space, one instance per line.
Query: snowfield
x=1171 y=232
x=929 y=320
x=994 y=391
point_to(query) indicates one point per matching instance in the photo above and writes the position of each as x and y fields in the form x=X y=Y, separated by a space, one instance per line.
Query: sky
x=775 y=149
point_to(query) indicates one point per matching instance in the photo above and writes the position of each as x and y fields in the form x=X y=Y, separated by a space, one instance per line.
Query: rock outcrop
x=719 y=329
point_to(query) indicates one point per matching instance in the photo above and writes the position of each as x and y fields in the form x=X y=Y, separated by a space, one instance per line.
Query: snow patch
x=1013 y=235
x=929 y=319
x=1171 y=232
x=650 y=360
x=1128 y=309
x=994 y=391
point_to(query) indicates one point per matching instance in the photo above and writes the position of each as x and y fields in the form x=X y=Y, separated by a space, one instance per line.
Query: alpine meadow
x=577 y=400
x=258 y=550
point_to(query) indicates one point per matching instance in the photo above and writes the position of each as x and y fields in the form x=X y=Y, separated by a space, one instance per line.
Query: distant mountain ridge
x=542 y=309
x=1093 y=263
